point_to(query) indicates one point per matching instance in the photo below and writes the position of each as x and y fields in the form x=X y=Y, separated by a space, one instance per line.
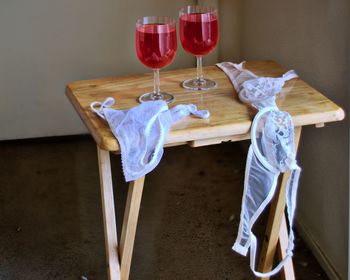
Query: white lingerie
x=142 y=130
x=271 y=152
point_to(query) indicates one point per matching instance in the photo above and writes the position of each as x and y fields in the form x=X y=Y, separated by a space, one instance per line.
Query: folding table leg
x=129 y=225
x=109 y=221
x=273 y=229
x=288 y=269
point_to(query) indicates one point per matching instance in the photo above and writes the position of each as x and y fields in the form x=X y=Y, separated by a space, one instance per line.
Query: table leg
x=129 y=225
x=109 y=221
x=288 y=269
x=273 y=230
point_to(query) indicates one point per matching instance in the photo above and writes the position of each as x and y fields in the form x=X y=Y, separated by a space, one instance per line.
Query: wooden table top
x=229 y=119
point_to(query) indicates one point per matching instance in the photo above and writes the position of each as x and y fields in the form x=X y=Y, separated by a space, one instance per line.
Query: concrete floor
x=51 y=223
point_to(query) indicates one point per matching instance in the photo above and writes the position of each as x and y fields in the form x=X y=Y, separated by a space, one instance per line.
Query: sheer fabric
x=271 y=152
x=141 y=131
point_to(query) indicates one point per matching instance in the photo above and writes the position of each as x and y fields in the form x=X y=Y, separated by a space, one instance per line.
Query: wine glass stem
x=199 y=69
x=156 y=84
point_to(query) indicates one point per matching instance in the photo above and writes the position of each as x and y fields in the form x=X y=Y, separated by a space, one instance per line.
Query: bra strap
x=253 y=137
x=291 y=74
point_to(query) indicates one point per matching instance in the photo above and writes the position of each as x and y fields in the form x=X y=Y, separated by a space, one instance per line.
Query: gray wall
x=348 y=110
x=231 y=30
x=312 y=38
x=46 y=44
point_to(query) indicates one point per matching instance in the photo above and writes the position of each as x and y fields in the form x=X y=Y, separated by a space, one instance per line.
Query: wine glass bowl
x=156 y=47
x=199 y=33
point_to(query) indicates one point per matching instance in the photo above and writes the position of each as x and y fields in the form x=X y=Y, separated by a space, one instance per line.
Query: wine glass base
x=199 y=84
x=167 y=97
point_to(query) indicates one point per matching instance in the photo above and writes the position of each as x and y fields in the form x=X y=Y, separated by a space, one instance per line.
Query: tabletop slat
x=228 y=116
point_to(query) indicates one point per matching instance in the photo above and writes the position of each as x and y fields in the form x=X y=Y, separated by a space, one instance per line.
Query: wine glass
x=156 y=48
x=199 y=34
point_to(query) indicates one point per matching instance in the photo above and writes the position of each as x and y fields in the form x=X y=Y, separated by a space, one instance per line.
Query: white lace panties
x=141 y=131
x=271 y=152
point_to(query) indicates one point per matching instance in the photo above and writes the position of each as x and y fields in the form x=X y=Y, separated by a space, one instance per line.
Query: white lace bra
x=271 y=152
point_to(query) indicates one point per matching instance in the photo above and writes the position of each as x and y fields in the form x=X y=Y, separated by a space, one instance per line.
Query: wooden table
x=230 y=120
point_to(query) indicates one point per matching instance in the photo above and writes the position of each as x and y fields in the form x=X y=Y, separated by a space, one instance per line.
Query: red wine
x=156 y=44
x=199 y=33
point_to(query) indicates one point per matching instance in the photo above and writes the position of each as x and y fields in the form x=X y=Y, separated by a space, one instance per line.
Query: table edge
x=220 y=131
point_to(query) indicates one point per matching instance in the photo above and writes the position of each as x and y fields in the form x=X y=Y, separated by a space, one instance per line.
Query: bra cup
x=278 y=140
x=261 y=92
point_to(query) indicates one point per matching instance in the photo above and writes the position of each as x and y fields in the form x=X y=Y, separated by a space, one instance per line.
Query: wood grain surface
x=229 y=117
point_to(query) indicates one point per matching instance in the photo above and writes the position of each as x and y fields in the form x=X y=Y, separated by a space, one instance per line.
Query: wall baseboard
x=317 y=251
